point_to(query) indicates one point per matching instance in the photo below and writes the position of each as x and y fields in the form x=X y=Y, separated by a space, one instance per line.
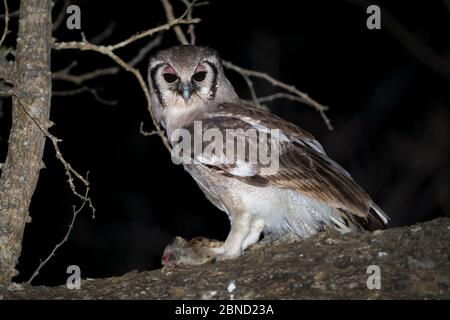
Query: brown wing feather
x=303 y=165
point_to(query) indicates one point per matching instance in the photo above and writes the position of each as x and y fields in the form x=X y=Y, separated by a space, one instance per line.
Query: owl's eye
x=170 y=77
x=199 y=76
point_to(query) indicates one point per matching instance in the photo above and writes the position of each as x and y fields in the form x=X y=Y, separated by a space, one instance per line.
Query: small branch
x=252 y=89
x=78 y=79
x=191 y=28
x=144 y=133
x=5 y=29
x=70 y=171
x=280 y=95
x=292 y=89
x=92 y=91
x=168 y=9
x=106 y=50
x=105 y=34
x=60 y=17
x=151 y=32
x=13 y=14
x=66 y=237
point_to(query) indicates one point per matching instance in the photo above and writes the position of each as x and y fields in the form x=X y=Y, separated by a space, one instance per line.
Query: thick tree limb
x=26 y=142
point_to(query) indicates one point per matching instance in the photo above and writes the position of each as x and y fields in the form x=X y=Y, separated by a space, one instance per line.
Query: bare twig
x=168 y=9
x=252 y=89
x=78 y=79
x=59 y=244
x=153 y=31
x=280 y=95
x=71 y=173
x=92 y=91
x=60 y=17
x=191 y=28
x=5 y=29
x=13 y=14
x=106 y=50
x=105 y=34
x=146 y=133
x=292 y=89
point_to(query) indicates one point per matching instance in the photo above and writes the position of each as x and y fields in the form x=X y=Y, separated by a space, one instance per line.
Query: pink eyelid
x=169 y=69
x=200 y=68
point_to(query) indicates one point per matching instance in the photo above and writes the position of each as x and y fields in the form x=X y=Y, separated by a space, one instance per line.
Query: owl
x=305 y=193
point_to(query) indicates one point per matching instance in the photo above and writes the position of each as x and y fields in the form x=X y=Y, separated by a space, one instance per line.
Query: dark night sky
x=390 y=112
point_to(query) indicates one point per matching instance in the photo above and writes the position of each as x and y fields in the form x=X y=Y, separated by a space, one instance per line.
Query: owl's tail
x=376 y=219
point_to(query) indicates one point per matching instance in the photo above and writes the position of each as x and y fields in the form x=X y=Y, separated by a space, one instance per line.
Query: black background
x=389 y=104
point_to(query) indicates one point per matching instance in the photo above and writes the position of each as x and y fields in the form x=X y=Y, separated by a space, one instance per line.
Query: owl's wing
x=302 y=163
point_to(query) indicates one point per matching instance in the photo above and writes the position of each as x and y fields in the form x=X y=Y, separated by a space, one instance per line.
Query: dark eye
x=170 y=77
x=199 y=76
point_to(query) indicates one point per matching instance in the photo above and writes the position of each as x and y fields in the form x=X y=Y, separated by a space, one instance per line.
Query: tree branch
x=5 y=29
x=106 y=50
x=32 y=86
x=292 y=89
x=168 y=9
x=59 y=244
x=78 y=79
x=151 y=32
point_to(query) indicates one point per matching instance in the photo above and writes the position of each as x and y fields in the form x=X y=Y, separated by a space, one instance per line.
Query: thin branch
x=59 y=244
x=168 y=9
x=292 y=89
x=191 y=28
x=71 y=173
x=106 y=50
x=252 y=89
x=151 y=32
x=105 y=34
x=78 y=79
x=146 y=133
x=280 y=95
x=13 y=14
x=60 y=17
x=92 y=91
x=5 y=29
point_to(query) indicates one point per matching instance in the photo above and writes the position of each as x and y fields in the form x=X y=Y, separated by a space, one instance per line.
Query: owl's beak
x=186 y=91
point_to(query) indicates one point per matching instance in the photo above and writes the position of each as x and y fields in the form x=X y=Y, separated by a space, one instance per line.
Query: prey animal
x=307 y=192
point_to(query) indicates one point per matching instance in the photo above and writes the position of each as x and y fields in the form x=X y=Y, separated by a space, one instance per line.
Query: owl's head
x=185 y=79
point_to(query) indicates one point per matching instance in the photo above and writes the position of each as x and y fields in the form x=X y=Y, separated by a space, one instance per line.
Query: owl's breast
x=283 y=210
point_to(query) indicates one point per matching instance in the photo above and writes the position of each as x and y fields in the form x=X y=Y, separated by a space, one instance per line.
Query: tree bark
x=30 y=106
